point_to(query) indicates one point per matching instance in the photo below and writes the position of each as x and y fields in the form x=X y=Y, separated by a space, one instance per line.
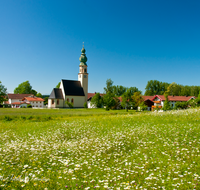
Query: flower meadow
x=122 y=151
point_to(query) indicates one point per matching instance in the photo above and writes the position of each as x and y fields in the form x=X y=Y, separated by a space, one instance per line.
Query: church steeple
x=83 y=75
x=83 y=58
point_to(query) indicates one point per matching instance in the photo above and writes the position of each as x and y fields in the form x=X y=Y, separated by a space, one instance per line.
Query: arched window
x=85 y=70
x=72 y=101
x=52 y=101
x=57 y=102
x=67 y=99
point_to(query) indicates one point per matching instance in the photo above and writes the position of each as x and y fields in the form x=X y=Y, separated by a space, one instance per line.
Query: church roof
x=73 y=88
x=56 y=94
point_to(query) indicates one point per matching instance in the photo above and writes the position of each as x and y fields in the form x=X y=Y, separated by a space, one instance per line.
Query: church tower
x=83 y=75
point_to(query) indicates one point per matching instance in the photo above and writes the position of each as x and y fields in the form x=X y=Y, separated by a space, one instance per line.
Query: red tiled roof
x=147 y=97
x=174 y=98
x=18 y=96
x=90 y=95
x=30 y=99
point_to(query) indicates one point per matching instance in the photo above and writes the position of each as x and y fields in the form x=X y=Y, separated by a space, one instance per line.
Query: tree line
x=155 y=87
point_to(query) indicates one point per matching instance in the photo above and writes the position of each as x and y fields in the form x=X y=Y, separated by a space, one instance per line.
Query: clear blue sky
x=130 y=42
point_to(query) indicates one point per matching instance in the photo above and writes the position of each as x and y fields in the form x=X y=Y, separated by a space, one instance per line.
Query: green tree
x=127 y=100
x=25 y=88
x=137 y=99
x=166 y=103
x=46 y=100
x=154 y=87
x=2 y=92
x=143 y=106
x=58 y=85
x=39 y=95
x=108 y=100
x=97 y=100
x=109 y=86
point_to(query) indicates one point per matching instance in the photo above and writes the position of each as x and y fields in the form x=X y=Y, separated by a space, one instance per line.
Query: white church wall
x=78 y=101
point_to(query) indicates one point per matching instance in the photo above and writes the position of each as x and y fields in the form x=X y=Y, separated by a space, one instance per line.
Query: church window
x=85 y=70
x=79 y=76
x=58 y=102
x=85 y=76
x=72 y=100
x=52 y=101
x=67 y=99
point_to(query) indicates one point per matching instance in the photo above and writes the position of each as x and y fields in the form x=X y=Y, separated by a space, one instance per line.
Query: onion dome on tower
x=83 y=58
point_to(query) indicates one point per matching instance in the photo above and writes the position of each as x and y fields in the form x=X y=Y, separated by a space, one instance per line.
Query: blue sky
x=130 y=42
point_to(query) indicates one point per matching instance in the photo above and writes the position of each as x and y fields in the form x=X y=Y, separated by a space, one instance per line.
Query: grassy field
x=98 y=149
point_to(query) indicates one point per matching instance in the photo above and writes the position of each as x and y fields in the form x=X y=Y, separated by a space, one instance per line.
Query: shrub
x=181 y=105
x=85 y=105
x=29 y=106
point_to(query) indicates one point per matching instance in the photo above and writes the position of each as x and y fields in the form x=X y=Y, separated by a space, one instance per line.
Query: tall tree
x=3 y=92
x=127 y=100
x=97 y=100
x=137 y=99
x=25 y=88
x=58 y=85
x=39 y=95
x=109 y=86
x=108 y=100
x=154 y=87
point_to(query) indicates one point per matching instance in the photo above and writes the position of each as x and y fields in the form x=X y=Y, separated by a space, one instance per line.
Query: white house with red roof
x=36 y=102
x=159 y=100
x=22 y=100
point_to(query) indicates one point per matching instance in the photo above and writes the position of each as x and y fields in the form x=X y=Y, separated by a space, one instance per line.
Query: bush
x=181 y=105
x=85 y=105
x=29 y=106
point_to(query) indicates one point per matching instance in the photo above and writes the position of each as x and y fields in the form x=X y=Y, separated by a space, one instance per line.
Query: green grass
x=94 y=148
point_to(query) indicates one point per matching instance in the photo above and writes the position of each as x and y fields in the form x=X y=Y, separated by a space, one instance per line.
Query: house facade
x=159 y=100
x=35 y=102
x=72 y=91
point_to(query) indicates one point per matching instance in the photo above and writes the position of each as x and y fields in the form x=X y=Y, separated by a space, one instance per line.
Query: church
x=72 y=91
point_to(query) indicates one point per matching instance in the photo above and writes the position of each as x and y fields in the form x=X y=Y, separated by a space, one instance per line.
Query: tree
x=108 y=100
x=154 y=87
x=39 y=95
x=25 y=88
x=46 y=100
x=127 y=100
x=109 y=86
x=166 y=103
x=137 y=99
x=58 y=85
x=143 y=106
x=97 y=100
x=2 y=92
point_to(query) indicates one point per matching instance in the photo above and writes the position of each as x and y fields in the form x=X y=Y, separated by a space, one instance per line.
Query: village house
x=22 y=100
x=159 y=100
x=35 y=102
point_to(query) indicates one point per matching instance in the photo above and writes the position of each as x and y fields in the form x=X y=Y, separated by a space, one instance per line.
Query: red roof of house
x=147 y=97
x=90 y=95
x=18 y=96
x=31 y=99
x=174 y=98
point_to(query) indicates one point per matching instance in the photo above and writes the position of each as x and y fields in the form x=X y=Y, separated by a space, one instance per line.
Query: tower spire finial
x=83 y=44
